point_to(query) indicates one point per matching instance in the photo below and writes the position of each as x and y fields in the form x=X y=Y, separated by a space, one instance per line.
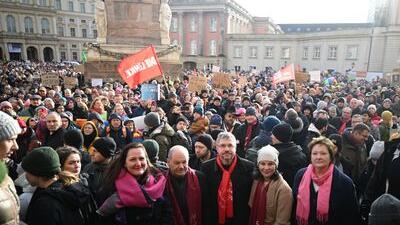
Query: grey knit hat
x=9 y=126
x=152 y=119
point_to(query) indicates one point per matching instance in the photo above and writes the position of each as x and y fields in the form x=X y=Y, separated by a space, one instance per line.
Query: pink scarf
x=303 y=197
x=131 y=192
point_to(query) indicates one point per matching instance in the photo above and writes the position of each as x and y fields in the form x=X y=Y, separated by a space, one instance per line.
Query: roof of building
x=321 y=27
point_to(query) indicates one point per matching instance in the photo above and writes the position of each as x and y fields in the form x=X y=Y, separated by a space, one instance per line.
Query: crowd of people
x=257 y=153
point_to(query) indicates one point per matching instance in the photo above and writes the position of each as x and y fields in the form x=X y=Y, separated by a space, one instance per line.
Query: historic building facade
x=45 y=29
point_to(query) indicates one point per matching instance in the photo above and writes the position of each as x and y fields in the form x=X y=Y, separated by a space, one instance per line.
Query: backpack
x=179 y=138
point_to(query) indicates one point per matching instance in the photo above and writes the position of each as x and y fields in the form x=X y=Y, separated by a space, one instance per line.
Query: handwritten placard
x=221 y=81
x=197 y=83
x=70 y=82
x=50 y=80
x=97 y=82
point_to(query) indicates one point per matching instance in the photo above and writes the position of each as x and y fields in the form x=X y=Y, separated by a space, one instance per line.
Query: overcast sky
x=309 y=11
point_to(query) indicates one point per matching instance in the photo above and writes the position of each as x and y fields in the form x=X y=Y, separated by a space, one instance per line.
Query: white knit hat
x=268 y=153
x=8 y=126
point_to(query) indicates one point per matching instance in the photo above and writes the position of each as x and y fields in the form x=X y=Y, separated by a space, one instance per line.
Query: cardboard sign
x=242 y=81
x=221 y=81
x=302 y=77
x=70 y=82
x=197 y=83
x=150 y=92
x=97 y=82
x=315 y=76
x=139 y=122
x=80 y=68
x=50 y=80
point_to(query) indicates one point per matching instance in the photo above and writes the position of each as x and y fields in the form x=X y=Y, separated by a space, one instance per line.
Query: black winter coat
x=54 y=140
x=291 y=159
x=240 y=135
x=95 y=174
x=241 y=184
x=343 y=205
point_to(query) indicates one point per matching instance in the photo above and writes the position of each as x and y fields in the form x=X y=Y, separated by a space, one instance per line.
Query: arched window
x=11 y=24
x=45 y=26
x=28 y=25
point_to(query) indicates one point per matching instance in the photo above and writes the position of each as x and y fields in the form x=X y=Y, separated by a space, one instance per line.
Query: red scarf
x=258 y=208
x=225 y=192
x=343 y=126
x=248 y=134
x=131 y=192
x=193 y=197
x=324 y=192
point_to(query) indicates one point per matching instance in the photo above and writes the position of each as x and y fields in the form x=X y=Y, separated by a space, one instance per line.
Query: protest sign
x=221 y=81
x=150 y=92
x=140 y=67
x=284 y=74
x=197 y=83
x=216 y=69
x=361 y=75
x=70 y=82
x=373 y=76
x=315 y=76
x=80 y=68
x=97 y=82
x=50 y=80
x=242 y=81
x=139 y=122
x=302 y=77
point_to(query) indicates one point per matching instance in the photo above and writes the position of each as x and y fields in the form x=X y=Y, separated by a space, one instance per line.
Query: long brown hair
x=113 y=170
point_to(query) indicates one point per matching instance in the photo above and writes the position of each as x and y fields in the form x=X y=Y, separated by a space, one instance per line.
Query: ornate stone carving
x=101 y=21
x=165 y=22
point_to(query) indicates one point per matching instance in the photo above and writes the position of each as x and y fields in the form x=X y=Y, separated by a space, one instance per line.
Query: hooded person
x=116 y=130
x=161 y=132
x=200 y=123
x=60 y=196
x=74 y=138
x=152 y=149
x=299 y=132
x=385 y=210
x=385 y=128
x=90 y=133
x=67 y=123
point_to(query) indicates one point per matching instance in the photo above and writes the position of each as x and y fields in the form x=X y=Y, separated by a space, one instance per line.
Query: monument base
x=103 y=59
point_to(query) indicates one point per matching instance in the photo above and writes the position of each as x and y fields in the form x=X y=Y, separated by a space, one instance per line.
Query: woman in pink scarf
x=135 y=191
x=322 y=194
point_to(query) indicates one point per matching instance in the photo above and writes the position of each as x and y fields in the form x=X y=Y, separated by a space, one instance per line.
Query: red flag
x=284 y=74
x=140 y=67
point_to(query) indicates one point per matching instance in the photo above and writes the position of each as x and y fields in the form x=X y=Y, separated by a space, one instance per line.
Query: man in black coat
x=291 y=157
x=229 y=180
x=247 y=131
x=55 y=136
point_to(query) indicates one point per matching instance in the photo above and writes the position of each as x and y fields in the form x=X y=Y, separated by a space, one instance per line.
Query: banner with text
x=197 y=83
x=50 y=80
x=140 y=67
x=283 y=75
x=315 y=76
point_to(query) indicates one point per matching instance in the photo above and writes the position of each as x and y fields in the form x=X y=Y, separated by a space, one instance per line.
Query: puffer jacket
x=9 y=202
x=163 y=134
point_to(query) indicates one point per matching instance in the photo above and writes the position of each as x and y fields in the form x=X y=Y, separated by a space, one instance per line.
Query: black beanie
x=152 y=148
x=42 y=162
x=385 y=210
x=106 y=146
x=74 y=138
x=283 y=132
x=206 y=140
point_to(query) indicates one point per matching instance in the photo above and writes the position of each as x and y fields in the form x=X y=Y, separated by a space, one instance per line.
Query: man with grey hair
x=186 y=188
x=229 y=180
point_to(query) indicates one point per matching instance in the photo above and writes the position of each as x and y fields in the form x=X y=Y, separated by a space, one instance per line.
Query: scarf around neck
x=303 y=197
x=258 y=208
x=225 y=192
x=131 y=193
x=249 y=131
x=193 y=198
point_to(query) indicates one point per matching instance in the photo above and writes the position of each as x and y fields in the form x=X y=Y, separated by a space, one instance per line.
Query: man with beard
x=229 y=180
x=204 y=151
x=186 y=188
x=35 y=102
x=229 y=123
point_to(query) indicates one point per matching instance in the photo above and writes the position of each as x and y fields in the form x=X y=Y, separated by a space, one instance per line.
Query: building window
x=45 y=26
x=285 y=53
x=58 y=4
x=72 y=31
x=11 y=24
x=42 y=2
x=174 y=24
x=213 y=24
x=63 y=56
x=193 y=47
x=94 y=33
x=72 y=20
x=83 y=21
x=238 y=51
x=332 y=53
x=84 y=33
x=73 y=46
x=351 y=52
x=62 y=45
x=83 y=8
x=71 y=6
x=28 y=25
x=193 y=24
x=60 y=31
x=92 y=8
x=25 y=2
x=60 y=20
x=316 y=52
x=269 y=52
x=305 y=53
x=75 y=56
x=213 y=48
x=253 y=52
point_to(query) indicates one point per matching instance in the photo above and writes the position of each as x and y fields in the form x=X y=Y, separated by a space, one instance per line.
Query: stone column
x=200 y=30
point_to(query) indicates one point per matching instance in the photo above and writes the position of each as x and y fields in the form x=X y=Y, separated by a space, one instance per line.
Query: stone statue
x=101 y=21
x=165 y=22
